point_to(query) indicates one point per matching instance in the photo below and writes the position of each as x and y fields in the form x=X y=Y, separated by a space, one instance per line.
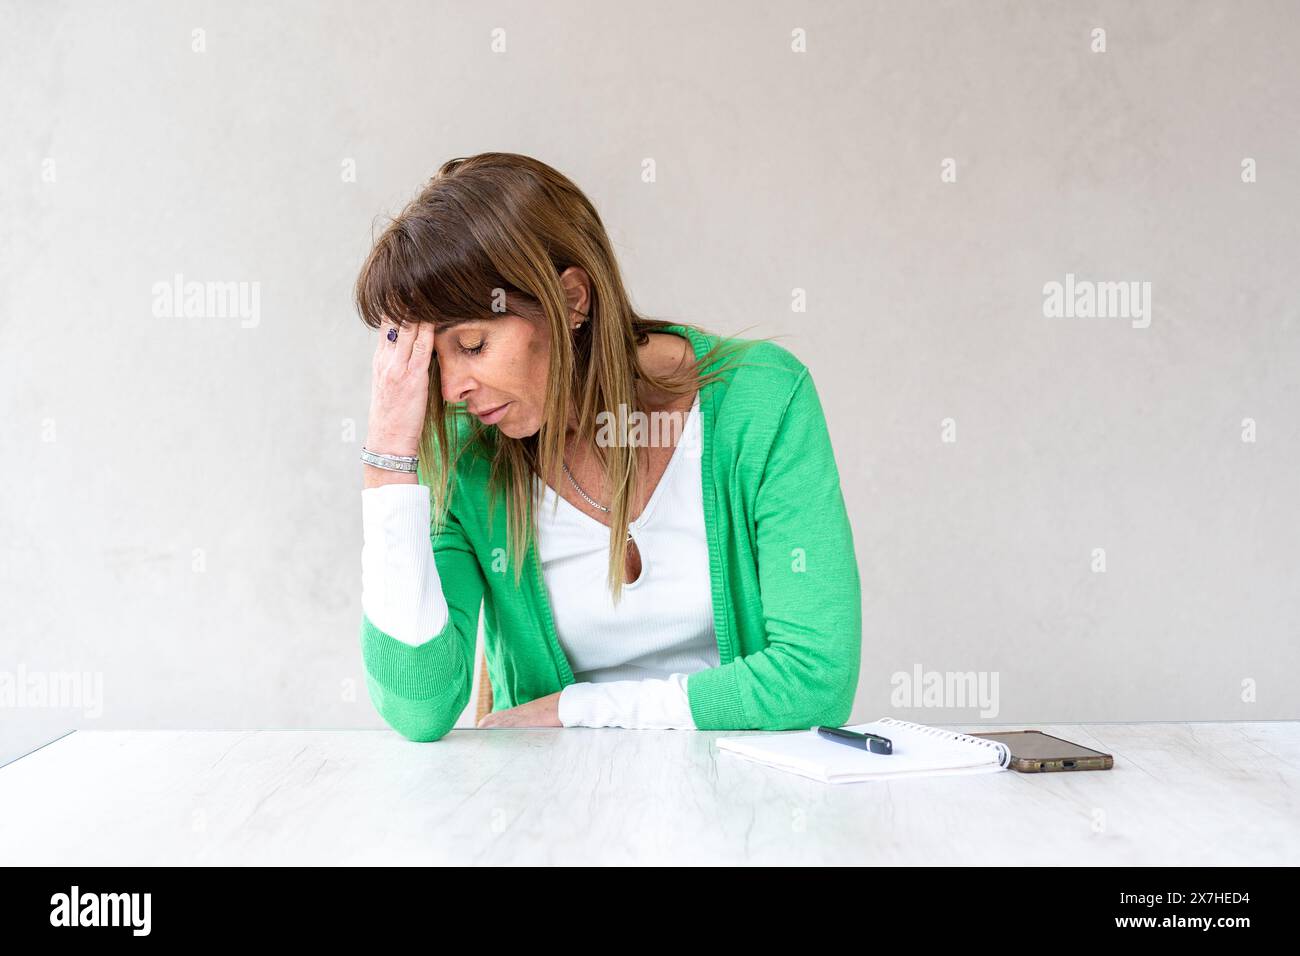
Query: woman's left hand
x=542 y=712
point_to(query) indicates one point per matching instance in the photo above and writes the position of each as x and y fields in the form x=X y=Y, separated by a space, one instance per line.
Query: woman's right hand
x=399 y=393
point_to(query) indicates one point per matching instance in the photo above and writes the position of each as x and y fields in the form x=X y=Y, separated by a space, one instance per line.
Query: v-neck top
x=663 y=626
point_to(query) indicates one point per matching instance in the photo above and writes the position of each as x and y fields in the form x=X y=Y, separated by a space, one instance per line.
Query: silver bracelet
x=405 y=463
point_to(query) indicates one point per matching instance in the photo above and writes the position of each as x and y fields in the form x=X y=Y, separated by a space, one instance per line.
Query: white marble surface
x=1199 y=793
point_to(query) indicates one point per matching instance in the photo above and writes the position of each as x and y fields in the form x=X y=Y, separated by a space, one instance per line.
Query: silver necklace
x=586 y=497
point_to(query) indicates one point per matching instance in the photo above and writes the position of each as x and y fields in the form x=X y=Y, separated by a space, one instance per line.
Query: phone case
x=1049 y=765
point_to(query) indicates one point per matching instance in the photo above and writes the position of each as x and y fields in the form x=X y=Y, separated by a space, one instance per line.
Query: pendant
x=634 y=553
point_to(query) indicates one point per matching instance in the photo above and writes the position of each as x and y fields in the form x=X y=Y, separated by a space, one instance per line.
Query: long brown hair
x=489 y=235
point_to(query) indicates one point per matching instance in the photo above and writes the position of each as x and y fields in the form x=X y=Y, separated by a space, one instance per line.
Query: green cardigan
x=787 y=602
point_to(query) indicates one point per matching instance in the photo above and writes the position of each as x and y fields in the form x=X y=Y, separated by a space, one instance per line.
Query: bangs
x=417 y=272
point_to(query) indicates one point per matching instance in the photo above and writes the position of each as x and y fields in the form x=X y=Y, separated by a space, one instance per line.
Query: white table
x=1179 y=794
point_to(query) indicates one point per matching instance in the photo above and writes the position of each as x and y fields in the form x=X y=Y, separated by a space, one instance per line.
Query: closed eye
x=475 y=350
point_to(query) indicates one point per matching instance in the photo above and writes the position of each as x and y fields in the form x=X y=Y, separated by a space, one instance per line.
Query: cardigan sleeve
x=807 y=674
x=421 y=689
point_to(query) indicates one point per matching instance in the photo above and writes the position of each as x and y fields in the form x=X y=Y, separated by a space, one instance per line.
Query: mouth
x=492 y=414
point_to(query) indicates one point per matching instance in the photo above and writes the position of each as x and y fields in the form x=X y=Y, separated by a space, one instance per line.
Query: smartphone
x=1033 y=751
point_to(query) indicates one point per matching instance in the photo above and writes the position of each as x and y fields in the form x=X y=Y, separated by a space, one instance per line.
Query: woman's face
x=489 y=363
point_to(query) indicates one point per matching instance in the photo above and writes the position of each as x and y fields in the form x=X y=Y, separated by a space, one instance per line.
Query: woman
x=703 y=581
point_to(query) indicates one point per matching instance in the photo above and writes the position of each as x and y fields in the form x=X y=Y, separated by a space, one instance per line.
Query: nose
x=456 y=383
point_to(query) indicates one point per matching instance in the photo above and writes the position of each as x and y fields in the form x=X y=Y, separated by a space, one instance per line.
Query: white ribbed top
x=663 y=625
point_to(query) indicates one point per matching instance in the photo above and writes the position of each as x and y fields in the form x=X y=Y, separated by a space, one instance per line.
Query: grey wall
x=179 y=502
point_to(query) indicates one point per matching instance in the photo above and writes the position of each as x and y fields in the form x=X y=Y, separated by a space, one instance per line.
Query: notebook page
x=919 y=751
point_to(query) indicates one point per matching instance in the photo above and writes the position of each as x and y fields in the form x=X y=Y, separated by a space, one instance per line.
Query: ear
x=577 y=289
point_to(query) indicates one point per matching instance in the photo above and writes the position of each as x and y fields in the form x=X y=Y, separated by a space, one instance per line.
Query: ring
x=392 y=333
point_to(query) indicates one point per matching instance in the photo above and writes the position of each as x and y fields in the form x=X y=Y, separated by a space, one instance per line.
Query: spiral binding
x=1004 y=752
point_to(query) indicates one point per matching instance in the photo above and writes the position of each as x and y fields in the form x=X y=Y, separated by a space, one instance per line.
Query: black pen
x=871 y=742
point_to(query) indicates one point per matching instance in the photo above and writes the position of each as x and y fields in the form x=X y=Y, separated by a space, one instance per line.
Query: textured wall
x=891 y=188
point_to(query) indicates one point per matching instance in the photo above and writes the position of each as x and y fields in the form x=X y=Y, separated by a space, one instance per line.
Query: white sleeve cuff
x=633 y=704
x=401 y=592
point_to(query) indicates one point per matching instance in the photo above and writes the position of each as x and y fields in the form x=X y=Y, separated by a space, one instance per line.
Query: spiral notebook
x=919 y=751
